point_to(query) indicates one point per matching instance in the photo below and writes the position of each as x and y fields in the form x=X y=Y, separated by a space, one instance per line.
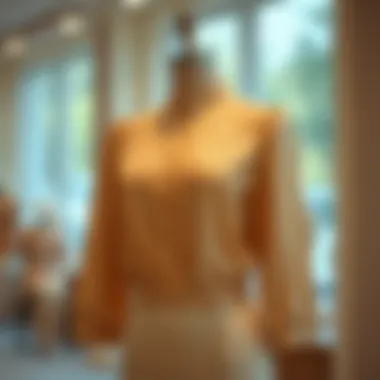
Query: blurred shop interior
x=68 y=68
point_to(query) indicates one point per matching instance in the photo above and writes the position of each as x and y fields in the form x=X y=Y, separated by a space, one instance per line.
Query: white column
x=358 y=145
x=122 y=70
x=129 y=54
x=148 y=54
x=9 y=133
x=102 y=27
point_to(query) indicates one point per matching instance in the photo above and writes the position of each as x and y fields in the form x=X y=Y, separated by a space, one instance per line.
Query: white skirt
x=189 y=344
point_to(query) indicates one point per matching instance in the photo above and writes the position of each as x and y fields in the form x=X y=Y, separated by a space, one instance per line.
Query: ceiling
x=14 y=13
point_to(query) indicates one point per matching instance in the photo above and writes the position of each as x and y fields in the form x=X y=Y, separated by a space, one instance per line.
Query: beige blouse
x=181 y=214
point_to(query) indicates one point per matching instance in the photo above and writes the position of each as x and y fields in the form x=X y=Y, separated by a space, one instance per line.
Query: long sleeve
x=101 y=298
x=277 y=231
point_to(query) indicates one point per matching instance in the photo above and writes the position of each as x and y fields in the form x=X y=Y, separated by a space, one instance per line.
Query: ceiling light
x=134 y=4
x=14 y=47
x=71 y=25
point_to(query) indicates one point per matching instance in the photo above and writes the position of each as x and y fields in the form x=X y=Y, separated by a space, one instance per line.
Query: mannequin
x=8 y=230
x=192 y=83
x=8 y=216
x=189 y=198
x=43 y=281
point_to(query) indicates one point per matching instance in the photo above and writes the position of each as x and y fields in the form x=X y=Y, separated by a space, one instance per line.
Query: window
x=56 y=142
x=297 y=75
x=78 y=112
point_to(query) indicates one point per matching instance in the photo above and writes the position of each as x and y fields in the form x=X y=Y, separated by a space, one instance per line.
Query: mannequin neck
x=193 y=86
